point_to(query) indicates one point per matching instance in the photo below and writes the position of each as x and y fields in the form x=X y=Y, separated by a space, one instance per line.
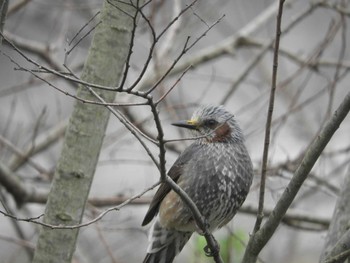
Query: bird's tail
x=165 y=244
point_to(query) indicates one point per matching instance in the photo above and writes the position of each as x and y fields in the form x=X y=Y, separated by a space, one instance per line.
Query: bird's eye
x=210 y=123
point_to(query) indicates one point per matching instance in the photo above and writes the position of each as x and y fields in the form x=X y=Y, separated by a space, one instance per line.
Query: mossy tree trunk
x=84 y=135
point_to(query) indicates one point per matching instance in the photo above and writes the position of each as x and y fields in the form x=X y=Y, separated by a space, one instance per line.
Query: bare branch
x=43 y=142
x=85 y=35
x=22 y=155
x=17 y=6
x=35 y=220
x=224 y=47
x=134 y=130
x=262 y=236
x=42 y=50
x=269 y=120
x=185 y=49
x=172 y=87
x=19 y=242
x=15 y=187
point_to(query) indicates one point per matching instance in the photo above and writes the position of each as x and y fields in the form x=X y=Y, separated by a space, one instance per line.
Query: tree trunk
x=84 y=135
x=338 y=238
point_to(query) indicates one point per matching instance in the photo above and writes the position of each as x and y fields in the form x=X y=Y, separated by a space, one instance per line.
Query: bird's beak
x=189 y=124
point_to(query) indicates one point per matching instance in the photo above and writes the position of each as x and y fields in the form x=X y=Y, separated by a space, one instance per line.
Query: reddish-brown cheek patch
x=222 y=132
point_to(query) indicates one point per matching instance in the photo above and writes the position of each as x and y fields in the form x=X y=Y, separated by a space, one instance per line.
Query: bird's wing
x=175 y=173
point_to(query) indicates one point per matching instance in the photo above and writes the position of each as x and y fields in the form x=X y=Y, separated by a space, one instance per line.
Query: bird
x=215 y=171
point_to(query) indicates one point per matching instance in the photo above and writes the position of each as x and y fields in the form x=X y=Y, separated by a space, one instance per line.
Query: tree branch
x=260 y=216
x=224 y=47
x=41 y=143
x=14 y=186
x=259 y=240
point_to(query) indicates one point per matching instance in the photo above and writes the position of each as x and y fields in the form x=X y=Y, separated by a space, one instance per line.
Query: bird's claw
x=208 y=251
x=211 y=251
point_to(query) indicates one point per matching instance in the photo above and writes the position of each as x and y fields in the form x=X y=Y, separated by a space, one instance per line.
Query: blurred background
x=232 y=65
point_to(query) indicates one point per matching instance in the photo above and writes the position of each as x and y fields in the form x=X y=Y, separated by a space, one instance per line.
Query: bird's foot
x=208 y=252
x=211 y=251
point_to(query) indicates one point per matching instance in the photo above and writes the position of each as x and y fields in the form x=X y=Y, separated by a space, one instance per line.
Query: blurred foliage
x=232 y=246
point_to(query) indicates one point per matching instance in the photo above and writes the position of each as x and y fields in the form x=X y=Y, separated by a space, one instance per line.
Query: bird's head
x=214 y=124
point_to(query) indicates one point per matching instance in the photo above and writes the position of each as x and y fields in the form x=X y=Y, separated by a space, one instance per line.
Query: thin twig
x=18 y=152
x=41 y=143
x=224 y=47
x=172 y=87
x=67 y=53
x=34 y=220
x=20 y=242
x=260 y=215
x=134 y=130
x=243 y=41
x=84 y=26
x=55 y=72
x=185 y=49
x=131 y=45
x=33 y=46
x=262 y=236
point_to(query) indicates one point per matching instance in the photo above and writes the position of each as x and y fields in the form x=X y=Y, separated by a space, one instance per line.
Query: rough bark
x=84 y=135
x=338 y=237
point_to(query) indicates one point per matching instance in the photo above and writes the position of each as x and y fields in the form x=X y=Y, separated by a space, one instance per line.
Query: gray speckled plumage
x=215 y=171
